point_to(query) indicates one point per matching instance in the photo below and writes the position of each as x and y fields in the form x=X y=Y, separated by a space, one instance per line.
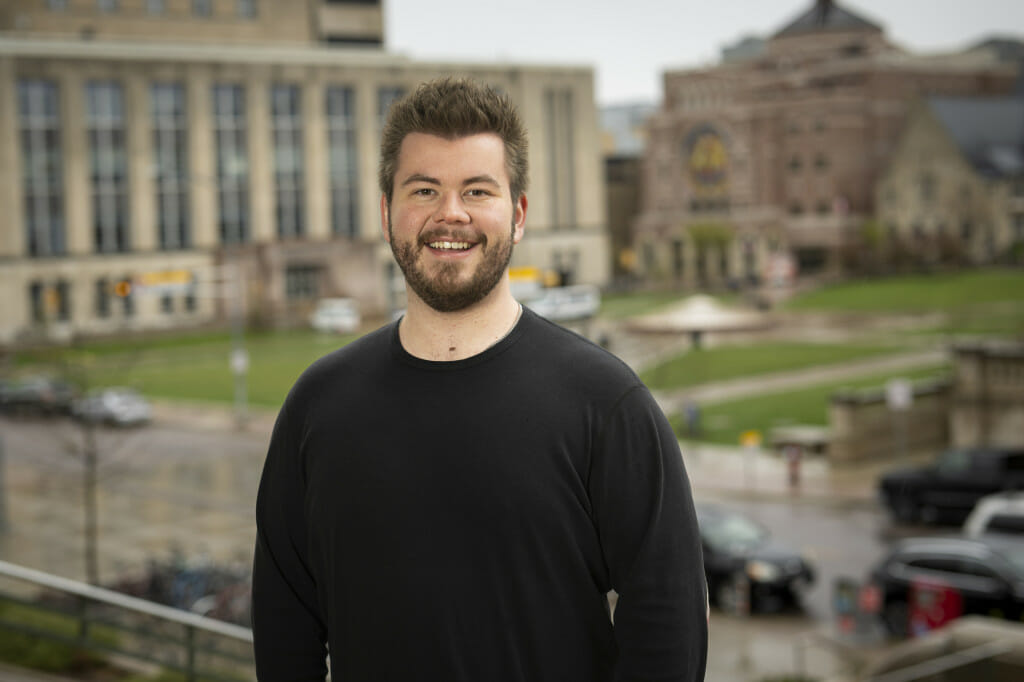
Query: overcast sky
x=630 y=43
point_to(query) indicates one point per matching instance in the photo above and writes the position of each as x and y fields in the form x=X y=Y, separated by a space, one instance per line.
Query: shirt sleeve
x=289 y=633
x=644 y=512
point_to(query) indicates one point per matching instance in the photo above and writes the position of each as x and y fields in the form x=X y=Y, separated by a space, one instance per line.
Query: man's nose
x=451 y=209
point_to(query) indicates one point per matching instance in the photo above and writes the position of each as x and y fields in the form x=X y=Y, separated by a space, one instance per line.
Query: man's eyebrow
x=419 y=177
x=486 y=179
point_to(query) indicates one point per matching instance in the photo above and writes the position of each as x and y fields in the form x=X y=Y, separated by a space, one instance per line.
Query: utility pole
x=239 y=355
x=90 y=492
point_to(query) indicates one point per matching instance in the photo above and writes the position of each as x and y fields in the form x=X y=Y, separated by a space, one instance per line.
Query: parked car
x=564 y=304
x=985 y=575
x=338 y=315
x=997 y=513
x=115 y=406
x=37 y=395
x=740 y=554
x=948 y=489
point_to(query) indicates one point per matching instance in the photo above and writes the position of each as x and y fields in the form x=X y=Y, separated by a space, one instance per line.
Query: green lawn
x=917 y=293
x=728 y=362
x=724 y=422
x=197 y=368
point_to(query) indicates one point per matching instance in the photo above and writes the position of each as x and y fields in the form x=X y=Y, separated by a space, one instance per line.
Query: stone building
x=775 y=157
x=161 y=159
x=624 y=136
x=954 y=188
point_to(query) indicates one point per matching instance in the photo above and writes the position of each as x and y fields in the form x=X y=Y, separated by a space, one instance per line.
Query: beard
x=445 y=289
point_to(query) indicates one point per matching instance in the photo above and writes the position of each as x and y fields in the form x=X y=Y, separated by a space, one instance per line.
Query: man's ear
x=519 y=219
x=384 y=218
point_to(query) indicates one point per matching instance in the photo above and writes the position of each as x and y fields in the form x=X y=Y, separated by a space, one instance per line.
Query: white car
x=338 y=315
x=997 y=513
x=117 y=406
x=562 y=304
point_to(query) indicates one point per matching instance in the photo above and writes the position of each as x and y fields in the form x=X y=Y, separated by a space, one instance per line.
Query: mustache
x=451 y=235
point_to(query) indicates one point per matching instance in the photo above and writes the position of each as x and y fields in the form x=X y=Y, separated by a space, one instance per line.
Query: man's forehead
x=479 y=154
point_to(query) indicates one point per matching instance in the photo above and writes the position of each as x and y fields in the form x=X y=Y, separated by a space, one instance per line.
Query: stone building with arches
x=766 y=163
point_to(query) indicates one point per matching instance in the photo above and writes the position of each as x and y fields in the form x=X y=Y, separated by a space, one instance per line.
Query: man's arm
x=644 y=512
x=289 y=633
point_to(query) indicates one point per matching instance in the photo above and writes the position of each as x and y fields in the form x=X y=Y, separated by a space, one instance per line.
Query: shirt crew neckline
x=399 y=352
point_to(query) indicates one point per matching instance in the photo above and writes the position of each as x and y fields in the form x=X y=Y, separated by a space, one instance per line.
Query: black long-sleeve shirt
x=464 y=521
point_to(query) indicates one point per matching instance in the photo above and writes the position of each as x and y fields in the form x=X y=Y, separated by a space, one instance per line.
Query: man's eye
x=423 y=191
x=478 y=193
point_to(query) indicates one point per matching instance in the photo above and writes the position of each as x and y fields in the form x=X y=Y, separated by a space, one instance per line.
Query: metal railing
x=108 y=622
x=965 y=659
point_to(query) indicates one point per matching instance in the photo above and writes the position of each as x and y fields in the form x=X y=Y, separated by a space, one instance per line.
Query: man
x=452 y=497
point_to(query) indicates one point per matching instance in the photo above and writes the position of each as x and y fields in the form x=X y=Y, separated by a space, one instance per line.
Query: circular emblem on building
x=707 y=159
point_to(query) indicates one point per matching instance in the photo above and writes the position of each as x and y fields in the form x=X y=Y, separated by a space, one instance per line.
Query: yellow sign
x=527 y=274
x=751 y=438
x=164 y=278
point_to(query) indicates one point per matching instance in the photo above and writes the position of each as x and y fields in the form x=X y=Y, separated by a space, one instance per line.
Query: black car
x=947 y=490
x=986 y=572
x=739 y=554
x=37 y=395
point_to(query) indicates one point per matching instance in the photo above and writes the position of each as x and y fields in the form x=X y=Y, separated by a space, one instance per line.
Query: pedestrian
x=453 y=496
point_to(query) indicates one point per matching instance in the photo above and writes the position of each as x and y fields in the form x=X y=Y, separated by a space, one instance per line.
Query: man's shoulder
x=568 y=352
x=348 y=361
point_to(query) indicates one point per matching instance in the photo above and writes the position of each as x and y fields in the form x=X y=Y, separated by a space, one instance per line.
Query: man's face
x=452 y=222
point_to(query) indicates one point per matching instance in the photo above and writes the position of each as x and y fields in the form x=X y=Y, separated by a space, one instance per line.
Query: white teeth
x=450 y=246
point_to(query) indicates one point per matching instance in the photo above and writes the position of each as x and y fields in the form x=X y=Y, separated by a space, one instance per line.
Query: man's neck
x=431 y=335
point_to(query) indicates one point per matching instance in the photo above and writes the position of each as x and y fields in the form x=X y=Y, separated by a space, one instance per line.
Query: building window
x=823 y=208
x=127 y=297
x=202 y=8
x=966 y=231
x=167 y=304
x=190 y=298
x=246 y=9
x=559 y=120
x=344 y=161
x=39 y=128
x=62 y=293
x=101 y=298
x=385 y=97
x=229 y=124
x=35 y=302
x=796 y=208
x=108 y=166
x=155 y=7
x=170 y=151
x=57 y=5
x=107 y=6
x=289 y=160
x=302 y=282
x=820 y=162
x=927 y=186
x=795 y=164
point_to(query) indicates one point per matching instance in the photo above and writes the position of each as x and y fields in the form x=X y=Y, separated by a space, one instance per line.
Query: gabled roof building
x=756 y=166
x=953 y=191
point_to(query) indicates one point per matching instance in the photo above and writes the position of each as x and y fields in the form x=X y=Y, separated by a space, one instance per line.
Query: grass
x=724 y=422
x=39 y=653
x=917 y=293
x=729 y=362
x=197 y=369
x=618 y=306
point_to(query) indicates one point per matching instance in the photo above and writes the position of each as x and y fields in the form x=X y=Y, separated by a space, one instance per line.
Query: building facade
x=773 y=159
x=164 y=164
x=954 y=188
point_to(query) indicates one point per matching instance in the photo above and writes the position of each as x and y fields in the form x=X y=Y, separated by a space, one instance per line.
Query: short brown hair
x=452 y=108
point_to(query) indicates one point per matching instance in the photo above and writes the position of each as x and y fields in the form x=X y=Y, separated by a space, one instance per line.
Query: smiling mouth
x=449 y=246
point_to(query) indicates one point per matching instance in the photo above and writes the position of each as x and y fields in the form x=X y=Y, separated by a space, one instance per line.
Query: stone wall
x=864 y=427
